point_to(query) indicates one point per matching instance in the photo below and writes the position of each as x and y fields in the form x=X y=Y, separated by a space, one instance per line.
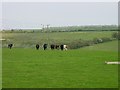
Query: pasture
x=77 y=68
x=28 y=40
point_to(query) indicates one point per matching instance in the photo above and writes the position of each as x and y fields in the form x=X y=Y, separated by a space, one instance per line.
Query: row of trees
x=67 y=29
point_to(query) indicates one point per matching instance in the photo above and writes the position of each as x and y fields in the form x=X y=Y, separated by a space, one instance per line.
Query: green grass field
x=77 y=68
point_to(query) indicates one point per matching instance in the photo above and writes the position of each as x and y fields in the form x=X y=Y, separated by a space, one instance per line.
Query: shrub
x=79 y=43
x=97 y=40
x=106 y=39
x=116 y=35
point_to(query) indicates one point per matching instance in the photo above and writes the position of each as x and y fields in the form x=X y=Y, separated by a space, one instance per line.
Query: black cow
x=61 y=47
x=37 y=46
x=52 y=46
x=57 y=47
x=45 y=46
x=10 y=45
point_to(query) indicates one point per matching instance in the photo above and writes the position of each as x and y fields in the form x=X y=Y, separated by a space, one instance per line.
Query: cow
x=10 y=45
x=37 y=46
x=52 y=46
x=45 y=46
x=57 y=47
x=63 y=47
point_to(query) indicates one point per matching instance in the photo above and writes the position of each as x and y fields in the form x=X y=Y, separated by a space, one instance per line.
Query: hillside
x=29 y=40
x=108 y=46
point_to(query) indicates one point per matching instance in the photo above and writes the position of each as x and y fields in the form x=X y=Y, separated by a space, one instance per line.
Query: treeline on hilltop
x=68 y=29
x=86 y=28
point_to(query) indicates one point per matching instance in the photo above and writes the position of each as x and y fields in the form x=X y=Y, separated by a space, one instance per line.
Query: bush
x=97 y=40
x=79 y=43
x=116 y=35
x=105 y=39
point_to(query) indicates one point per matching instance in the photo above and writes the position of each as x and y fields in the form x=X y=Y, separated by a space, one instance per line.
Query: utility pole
x=48 y=33
x=45 y=29
x=43 y=26
x=48 y=26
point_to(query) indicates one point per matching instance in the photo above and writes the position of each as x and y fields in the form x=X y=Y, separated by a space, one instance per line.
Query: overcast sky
x=33 y=14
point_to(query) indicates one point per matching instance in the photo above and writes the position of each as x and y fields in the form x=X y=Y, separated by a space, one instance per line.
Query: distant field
x=78 y=68
x=109 y=46
x=30 y=39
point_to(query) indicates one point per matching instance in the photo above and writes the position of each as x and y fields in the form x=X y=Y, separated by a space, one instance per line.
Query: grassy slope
x=108 y=46
x=83 y=68
x=30 y=39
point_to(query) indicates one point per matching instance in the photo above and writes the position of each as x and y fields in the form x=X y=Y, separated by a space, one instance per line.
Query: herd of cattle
x=45 y=46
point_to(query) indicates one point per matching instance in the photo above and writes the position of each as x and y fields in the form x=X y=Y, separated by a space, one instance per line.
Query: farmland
x=80 y=68
x=25 y=67
x=26 y=40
